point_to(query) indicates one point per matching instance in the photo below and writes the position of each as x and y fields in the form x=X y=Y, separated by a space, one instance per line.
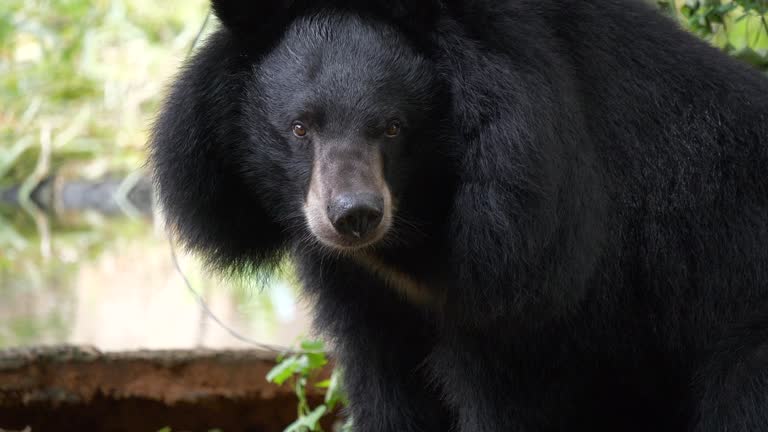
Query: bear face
x=348 y=105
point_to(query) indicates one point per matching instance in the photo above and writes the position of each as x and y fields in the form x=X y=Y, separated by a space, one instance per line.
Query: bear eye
x=299 y=130
x=393 y=129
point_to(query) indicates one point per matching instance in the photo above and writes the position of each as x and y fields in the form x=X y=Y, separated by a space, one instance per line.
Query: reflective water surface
x=88 y=269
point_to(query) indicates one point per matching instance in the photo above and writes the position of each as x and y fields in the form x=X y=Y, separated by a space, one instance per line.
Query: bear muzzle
x=356 y=215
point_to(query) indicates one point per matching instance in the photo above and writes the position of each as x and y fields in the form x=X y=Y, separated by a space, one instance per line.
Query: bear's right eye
x=393 y=128
x=299 y=130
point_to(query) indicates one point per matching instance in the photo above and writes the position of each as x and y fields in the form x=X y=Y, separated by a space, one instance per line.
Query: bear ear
x=196 y=155
x=254 y=19
x=249 y=18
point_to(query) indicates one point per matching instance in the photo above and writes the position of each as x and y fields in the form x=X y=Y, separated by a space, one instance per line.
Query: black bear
x=513 y=215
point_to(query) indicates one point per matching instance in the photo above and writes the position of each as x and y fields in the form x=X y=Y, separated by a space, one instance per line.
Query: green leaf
x=314 y=417
x=335 y=393
x=313 y=346
x=308 y=423
x=751 y=56
x=315 y=361
x=741 y=17
x=348 y=425
x=284 y=370
x=724 y=9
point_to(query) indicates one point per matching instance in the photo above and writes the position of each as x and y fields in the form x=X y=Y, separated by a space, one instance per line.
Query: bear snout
x=356 y=215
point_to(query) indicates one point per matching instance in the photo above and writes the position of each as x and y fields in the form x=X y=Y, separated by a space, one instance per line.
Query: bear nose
x=356 y=214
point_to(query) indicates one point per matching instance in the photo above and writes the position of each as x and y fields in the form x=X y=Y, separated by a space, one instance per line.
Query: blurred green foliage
x=739 y=27
x=80 y=82
x=89 y=74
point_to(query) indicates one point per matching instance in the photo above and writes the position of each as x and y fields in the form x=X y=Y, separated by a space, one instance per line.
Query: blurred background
x=83 y=255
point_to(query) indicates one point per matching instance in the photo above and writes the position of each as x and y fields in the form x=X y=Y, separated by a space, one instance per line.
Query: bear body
x=511 y=216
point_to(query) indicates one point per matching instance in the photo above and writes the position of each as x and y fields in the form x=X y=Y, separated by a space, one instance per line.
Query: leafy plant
x=739 y=27
x=302 y=367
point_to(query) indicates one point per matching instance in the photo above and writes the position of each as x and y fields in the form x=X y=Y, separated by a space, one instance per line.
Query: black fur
x=582 y=190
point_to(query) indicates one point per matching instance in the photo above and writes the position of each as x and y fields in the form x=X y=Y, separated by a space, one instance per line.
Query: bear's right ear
x=261 y=21
x=252 y=19
x=196 y=155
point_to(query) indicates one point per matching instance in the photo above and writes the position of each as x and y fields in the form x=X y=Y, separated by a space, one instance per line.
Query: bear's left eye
x=393 y=129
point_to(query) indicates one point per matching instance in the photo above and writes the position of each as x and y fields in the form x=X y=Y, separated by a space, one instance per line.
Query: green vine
x=303 y=366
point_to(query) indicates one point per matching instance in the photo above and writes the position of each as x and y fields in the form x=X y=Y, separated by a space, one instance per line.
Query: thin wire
x=211 y=315
x=199 y=33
